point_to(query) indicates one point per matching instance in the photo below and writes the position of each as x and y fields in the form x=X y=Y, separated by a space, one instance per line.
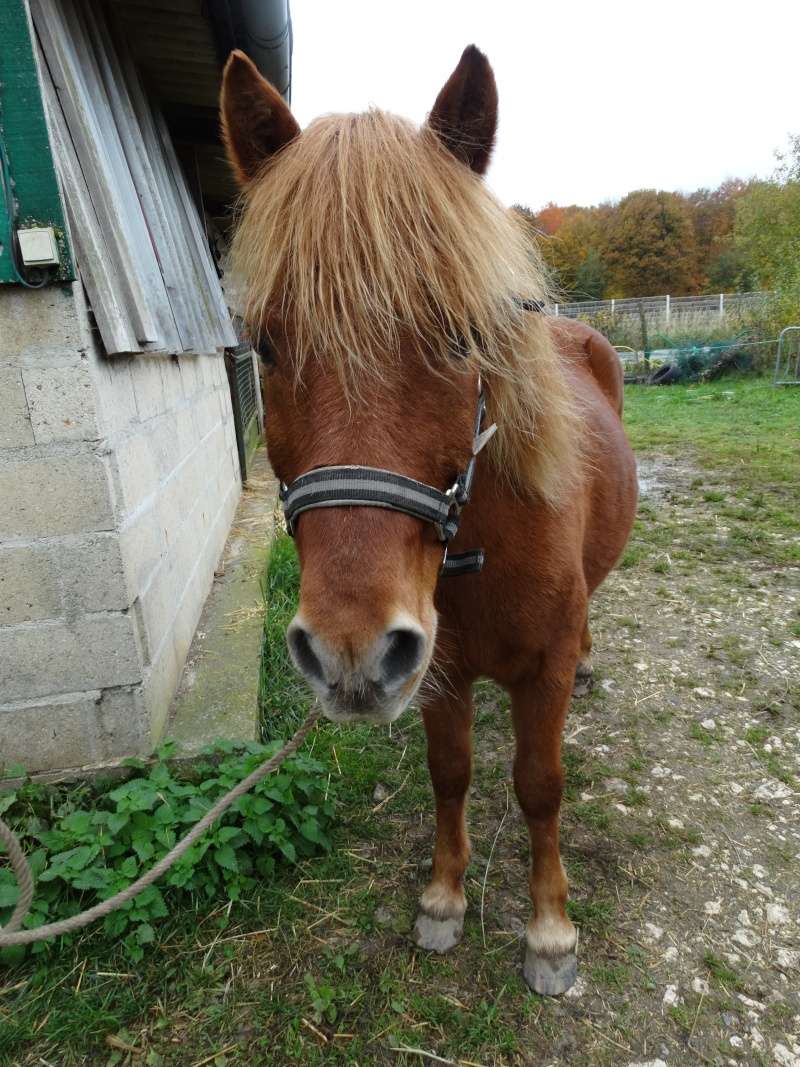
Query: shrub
x=86 y=843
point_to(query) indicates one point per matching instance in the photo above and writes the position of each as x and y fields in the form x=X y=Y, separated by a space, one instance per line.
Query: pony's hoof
x=437 y=935
x=550 y=975
x=583 y=683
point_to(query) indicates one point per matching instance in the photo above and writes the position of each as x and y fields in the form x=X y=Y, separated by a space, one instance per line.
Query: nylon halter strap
x=356 y=486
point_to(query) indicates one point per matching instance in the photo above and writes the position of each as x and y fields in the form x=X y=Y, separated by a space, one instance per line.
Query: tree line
x=742 y=235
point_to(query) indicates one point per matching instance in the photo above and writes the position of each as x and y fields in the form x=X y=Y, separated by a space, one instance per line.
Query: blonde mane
x=364 y=229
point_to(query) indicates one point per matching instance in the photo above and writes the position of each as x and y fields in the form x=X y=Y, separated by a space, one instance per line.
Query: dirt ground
x=681 y=829
x=681 y=839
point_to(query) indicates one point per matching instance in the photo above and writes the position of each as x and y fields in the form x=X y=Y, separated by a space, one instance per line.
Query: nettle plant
x=86 y=843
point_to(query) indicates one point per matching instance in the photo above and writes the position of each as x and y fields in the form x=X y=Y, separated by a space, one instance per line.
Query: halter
x=356 y=486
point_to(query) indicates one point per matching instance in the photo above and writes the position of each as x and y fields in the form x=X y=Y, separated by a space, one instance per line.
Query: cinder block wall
x=118 y=483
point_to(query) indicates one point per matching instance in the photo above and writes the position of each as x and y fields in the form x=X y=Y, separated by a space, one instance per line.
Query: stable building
x=129 y=407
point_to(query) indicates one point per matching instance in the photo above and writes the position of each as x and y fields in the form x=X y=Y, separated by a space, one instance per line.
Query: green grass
x=742 y=434
x=742 y=427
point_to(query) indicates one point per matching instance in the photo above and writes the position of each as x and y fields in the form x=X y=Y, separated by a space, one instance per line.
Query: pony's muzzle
x=367 y=681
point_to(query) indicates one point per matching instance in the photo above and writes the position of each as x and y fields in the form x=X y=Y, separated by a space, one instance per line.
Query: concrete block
x=207 y=414
x=160 y=601
x=160 y=686
x=123 y=723
x=94 y=652
x=49 y=735
x=61 y=402
x=42 y=322
x=143 y=548
x=93 y=576
x=116 y=399
x=15 y=423
x=189 y=377
x=75 y=730
x=54 y=494
x=137 y=468
x=148 y=386
x=186 y=430
x=165 y=444
x=29 y=585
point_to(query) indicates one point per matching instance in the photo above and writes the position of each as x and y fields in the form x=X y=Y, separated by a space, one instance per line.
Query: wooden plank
x=89 y=242
x=221 y=331
x=131 y=113
x=80 y=92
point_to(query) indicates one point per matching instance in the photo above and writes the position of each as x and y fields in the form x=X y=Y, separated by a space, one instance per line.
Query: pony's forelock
x=365 y=230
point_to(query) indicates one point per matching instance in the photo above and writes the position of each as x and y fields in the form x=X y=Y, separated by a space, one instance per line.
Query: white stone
x=777 y=914
x=577 y=990
x=712 y=907
x=709 y=724
x=702 y=691
x=736 y=789
x=648 y=1063
x=736 y=1041
x=770 y=790
x=641 y=666
x=759 y=871
x=671 y=996
x=700 y=985
x=702 y=851
x=655 y=933
x=744 y=918
x=670 y=954
x=745 y=937
x=748 y=1002
x=784 y=1057
x=660 y=772
x=788 y=958
x=616 y=785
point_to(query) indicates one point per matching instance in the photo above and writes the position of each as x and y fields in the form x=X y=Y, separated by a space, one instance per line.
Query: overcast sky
x=596 y=98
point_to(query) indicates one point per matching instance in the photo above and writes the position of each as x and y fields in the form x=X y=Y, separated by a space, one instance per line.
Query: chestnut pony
x=387 y=288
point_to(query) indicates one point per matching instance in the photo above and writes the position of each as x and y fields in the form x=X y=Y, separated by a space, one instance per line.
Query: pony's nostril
x=305 y=658
x=403 y=654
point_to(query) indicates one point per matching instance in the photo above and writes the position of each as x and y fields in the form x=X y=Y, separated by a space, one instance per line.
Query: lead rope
x=10 y=934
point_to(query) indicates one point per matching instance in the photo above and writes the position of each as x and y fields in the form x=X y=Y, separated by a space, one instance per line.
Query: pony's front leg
x=448 y=725
x=539 y=706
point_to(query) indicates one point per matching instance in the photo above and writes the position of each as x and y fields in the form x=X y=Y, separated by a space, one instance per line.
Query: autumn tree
x=649 y=245
x=713 y=214
x=591 y=277
x=767 y=231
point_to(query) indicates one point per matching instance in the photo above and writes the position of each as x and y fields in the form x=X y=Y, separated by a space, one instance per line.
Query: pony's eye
x=266 y=352
x=459 y=346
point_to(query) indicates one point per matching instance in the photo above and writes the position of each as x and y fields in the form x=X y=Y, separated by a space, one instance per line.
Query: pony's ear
x=256 y=122
x=465 y=113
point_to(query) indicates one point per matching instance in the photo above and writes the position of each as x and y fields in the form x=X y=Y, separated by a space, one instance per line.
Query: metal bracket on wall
x=29 y=194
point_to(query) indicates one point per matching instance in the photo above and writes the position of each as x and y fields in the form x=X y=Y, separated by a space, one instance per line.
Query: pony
x=391 y=298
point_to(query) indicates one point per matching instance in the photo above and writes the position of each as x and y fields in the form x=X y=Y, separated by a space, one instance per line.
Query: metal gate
x=787 y=363
x=244 y=398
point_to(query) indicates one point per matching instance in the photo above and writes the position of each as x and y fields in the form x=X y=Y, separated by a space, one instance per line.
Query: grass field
x=680 y=829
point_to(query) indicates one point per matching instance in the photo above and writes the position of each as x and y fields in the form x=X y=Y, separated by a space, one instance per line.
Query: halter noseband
x=356 y=486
